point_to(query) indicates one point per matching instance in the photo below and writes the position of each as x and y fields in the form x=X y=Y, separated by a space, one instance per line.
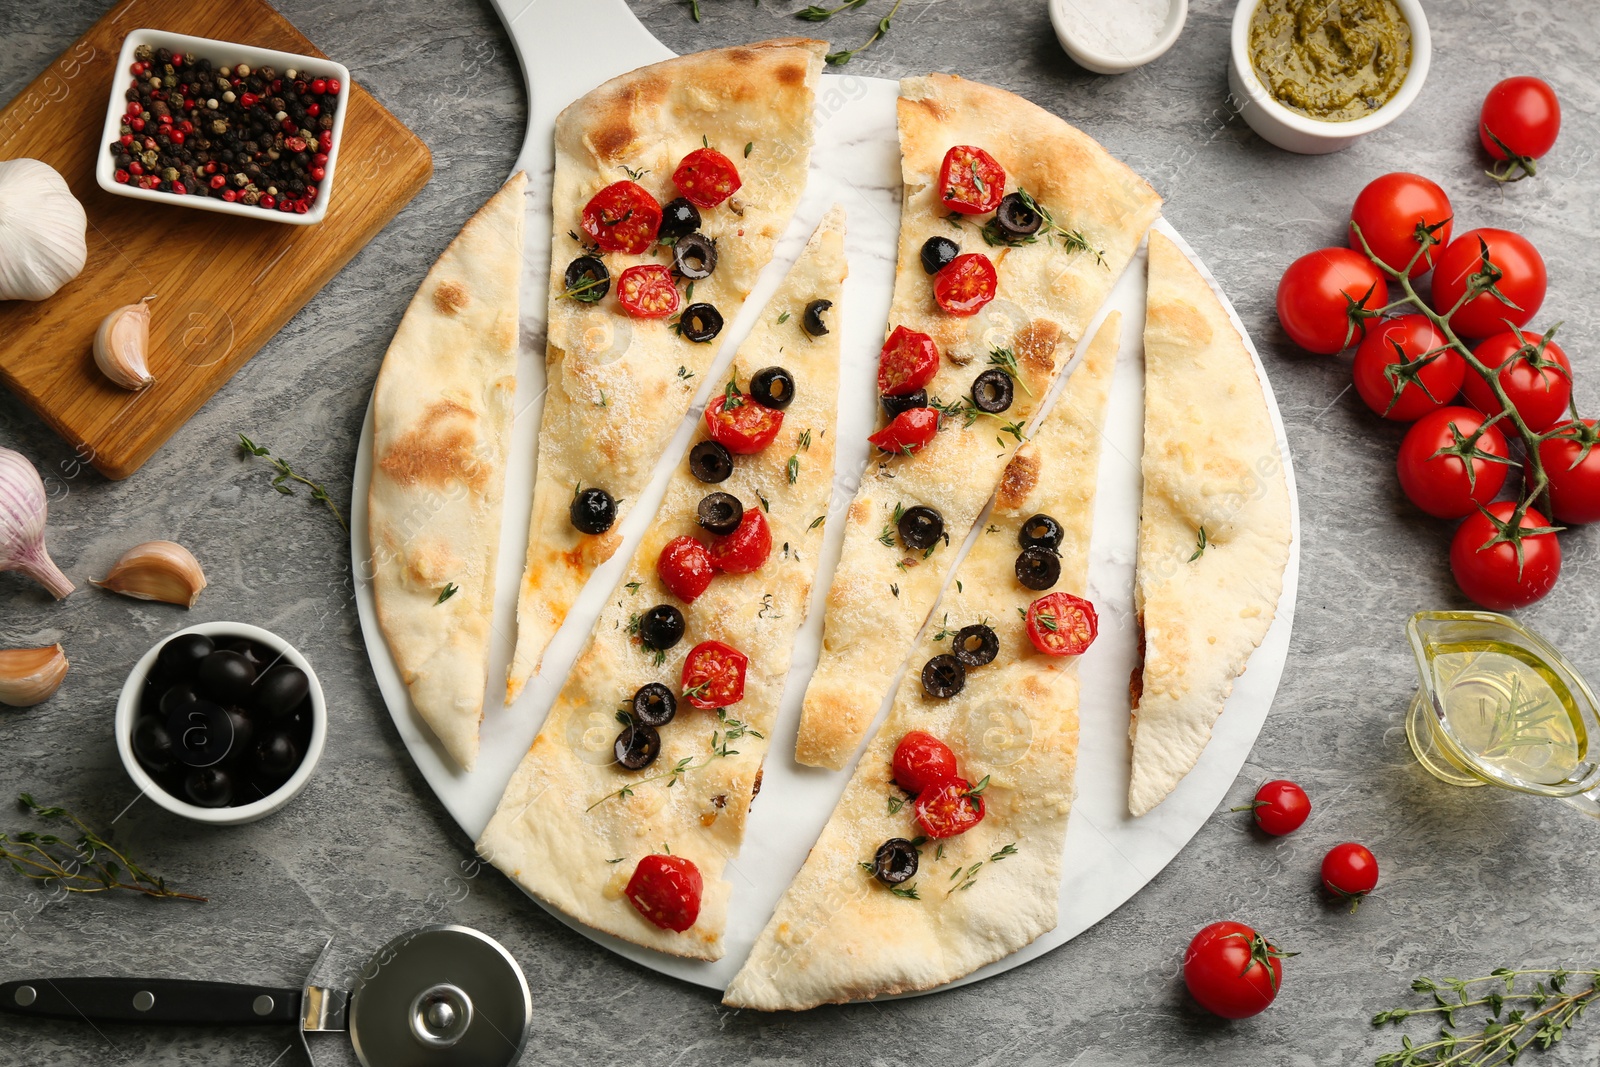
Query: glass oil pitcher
x=1499 y=706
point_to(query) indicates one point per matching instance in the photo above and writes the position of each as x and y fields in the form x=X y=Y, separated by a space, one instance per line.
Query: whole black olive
x=258 y=656
x=993 y=391
x=894 y=405
x=244 y=734
x=654 y=704
x=1017 y=218
x=694 y=256
x=1038 y=568
x=710 y=462
x=1041 y=530
x=281 y=689
x=943 y=676
x=227 y=676
x=678 y=217
x=181 y=656
x=720 y=513
x=772 y=387
x=637 y=746
x=178 y=696
x=592 y=511
x=152 y=744
x=921 y=528
x=209 y=787
x=202 y=733
x=811 y=321
x=700 y=323
x=276 y=755
x=937 y=252
x=661 y=627
x=895 y=861
x=587 y=279
x=975 y=645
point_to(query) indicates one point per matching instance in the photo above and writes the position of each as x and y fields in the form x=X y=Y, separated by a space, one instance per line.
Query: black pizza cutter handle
x=150 y=1000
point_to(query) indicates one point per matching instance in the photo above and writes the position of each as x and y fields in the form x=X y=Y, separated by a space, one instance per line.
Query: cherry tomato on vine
x=1521 y=280
x=971 y=181
x=1388 y=212
x=1350 y=872
x=1433 y=459
x=965 y=284
x=1280 y=807
x=666 y=891
x=1572 y=463
x=713 y=675
x=746 y=548
x=949 y=807
x=1535 y=374
x=1487 y=569
x=622 y=217
x=1232 y=971
x=910 y=431
x=1520 y=120
x=1317 y=293
x=922 y=761
x=1394 y=383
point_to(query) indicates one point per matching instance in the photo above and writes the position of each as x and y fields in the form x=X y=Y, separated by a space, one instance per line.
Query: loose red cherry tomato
x=685 y=568
x=1061 y=624
x=740 y=425
x=1520 y=120
x=1390 y=209
x=921 y=762
x=949 y=807
x=1232 y=971
x=1280 y=807
x=713 y=675
x=1521 y=281
x=970 y=181
x=909 y=432
x=666 y=890
x=622 y=217
x=908 y=361
x=1535 y=374
x=646 y=291
x=965 y=284
x=1433 y=469
x=1391 y=382
x=706 y=177
x=1318 y=292
x=1572 y=463
x=1490 y=573
x=1350 y=872
x=747 y=548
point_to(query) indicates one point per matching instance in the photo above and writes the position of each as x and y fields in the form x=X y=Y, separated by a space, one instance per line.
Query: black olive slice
x=592 y=511
x=811 y=321
x=894 y=405
x=710 y=462
x=661 y=627
x=678 y=218
x=943 y=676
x=587 y=280
x=1041 y=530
x=654 y=705
x=637 y=746
x=772 y=387
x=694 y=256
x=700 y=323
x=993 y=391
x=975 y=645
x=895 y=861
x=720 y=513
x=1038 y=568
x=937 y=252
x=921 y=528
x=1016 y=218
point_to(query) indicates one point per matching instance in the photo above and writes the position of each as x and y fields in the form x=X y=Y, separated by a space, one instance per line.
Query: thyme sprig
x=287 y=474
x=1536 y=1015
x=726 y=731
x=1071 y=240
x=88 y=864
x=840 y=58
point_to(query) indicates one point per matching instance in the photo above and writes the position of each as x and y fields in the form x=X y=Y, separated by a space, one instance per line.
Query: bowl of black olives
x=222 y=723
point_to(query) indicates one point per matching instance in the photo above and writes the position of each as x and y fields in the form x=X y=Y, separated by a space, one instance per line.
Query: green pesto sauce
x=1334 y=60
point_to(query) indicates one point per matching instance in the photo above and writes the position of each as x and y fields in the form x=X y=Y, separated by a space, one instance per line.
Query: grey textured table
x=1471 y=878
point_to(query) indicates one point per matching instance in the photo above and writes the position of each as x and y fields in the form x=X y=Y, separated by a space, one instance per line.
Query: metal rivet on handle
x=263 y=1005
x=26 y=995
x=144 y=1000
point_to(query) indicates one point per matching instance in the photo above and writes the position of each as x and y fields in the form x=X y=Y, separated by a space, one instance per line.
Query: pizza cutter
x=437 y=996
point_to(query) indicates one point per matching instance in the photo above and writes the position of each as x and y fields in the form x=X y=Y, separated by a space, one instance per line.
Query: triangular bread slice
x=1049 y=290
x=441 y=415
x=1214 y=525
x=618 y=387
x=573 y=825
x=838 y=934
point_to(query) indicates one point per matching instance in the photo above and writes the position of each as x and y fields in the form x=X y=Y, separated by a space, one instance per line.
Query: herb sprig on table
x=1519 y=1008
x=86 y=865
x=287 y=474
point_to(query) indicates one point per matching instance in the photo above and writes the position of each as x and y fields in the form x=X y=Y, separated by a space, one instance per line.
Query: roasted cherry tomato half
x=741 y=425
x=1350 y=872
x=908 y=361
x=1521 y=281
x=1388 y=212
x=1489 y=571
x=685 y=568
x=1232 y=971
x=1394 y=382
x=1439 y=481
x=713 y=675
x=622 y=217
x=966 y=285
x=922 y=761
x=746 y=548
x=1061 y=624
x=970 y=181
x=666 y=890
x=646 y=291
x=1280 y=807
x=1520 y=120
x=1318 y=292
x=706 y=177
x=909 y=431
x=1535 y=374
x=948 y=808
x=1572 y=463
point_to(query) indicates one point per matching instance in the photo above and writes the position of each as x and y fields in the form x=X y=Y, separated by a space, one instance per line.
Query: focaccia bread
x=441 y=414
x=1049 y=288
x=618 y=385
x=1214 y=525
x=840 y=934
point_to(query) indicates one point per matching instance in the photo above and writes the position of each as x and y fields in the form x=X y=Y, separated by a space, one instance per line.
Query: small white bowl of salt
x=1116 y=36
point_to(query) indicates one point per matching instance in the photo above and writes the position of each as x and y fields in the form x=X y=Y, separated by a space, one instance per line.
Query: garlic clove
x=122 y=345
x=157 y=570
x=30 y=676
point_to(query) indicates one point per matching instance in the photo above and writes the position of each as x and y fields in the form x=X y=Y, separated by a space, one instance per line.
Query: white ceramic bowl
x=1093 y=56
x=223 y=54
x=1289 y=129
x=128 y=714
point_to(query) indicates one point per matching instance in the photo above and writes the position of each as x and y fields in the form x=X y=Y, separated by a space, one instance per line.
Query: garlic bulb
x=23 y=506
x=157 y=570
x=30 y=676
x=122 y=345
x=43 y=243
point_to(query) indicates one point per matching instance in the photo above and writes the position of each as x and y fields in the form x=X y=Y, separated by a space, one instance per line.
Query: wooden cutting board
x=223 y=285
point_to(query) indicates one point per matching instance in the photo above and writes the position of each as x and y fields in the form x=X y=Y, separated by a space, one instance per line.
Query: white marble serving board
x=1109 y=856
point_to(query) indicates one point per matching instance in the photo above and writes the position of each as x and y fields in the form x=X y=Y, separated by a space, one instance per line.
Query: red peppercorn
x=299 y=86
x=301 y=207
x=333 y=86
x=136 y=69
x=177 y=136
x=177 y=187
x=318 y=173
x=210 y=167
x=177 y=60
x=268 y=201
x=325 y=140
x=286 y=205
x=187 y=127
x=313 y=109
x=319 y=85
x=163 y=120
x=295 y=144
x=218 y=181
x=248 y=100
x=188 y=104
x=311 y=192
x=320 y=159
x=121 y=177
x=229 y=195
x=276 y=86
x=135 y=108
x=149 y=144
x=136 y=167
x=288 y=126
x=126 y=140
